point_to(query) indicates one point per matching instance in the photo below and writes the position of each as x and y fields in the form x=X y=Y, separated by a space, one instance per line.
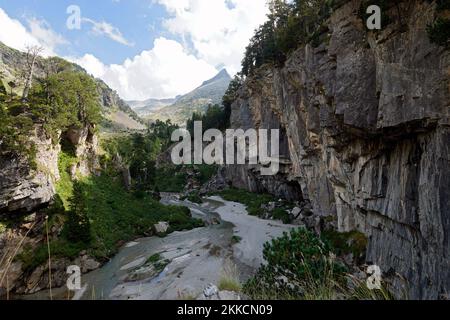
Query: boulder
x=161 y=227
x=210 y=291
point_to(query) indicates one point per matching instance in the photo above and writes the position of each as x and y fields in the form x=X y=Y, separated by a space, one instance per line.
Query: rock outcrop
x=23 y=188
x=365 y=127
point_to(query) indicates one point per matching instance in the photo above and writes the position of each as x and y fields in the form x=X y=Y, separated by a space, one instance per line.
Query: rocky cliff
x=364 y=119
x=25 y=187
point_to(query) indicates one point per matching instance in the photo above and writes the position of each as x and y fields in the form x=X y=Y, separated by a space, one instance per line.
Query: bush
x=77 y=227
x=182 y=219
x=281 y=214
x=193 y=197
x=294 y=261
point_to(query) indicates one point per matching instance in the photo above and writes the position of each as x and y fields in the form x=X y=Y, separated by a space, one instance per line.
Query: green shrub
x=154 y=258
x=78 y=227
x=281 y=214
x=353 y=242
x=193 y=197
x=294 y=261
x=181 y=219
x=235 y=239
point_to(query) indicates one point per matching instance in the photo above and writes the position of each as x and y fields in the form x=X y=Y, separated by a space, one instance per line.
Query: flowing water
x=193 y=259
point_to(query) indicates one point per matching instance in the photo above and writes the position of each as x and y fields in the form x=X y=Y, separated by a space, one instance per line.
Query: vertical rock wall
x=366 y=117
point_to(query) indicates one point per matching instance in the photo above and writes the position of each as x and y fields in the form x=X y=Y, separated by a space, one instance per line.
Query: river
x=230 y=245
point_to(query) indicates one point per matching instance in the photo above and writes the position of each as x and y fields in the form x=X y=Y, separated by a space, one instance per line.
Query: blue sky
x=139 y=22
x=141 y=48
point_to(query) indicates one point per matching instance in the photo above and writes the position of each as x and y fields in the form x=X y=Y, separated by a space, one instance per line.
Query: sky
x=140 y=48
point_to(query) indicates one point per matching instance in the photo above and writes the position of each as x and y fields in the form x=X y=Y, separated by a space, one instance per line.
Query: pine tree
x=78 y=225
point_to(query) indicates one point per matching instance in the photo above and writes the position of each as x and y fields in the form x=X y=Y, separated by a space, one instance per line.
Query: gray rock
x=365 y=132
x=161 y=227
x=228 y=295
x=210 y=290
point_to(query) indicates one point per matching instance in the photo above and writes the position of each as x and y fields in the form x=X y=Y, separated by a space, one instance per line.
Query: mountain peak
x=222 y=75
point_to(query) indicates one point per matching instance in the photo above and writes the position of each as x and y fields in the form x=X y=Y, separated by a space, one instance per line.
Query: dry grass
x=229 y=279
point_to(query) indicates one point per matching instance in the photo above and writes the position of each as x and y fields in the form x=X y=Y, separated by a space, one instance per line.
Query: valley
x=88 y=179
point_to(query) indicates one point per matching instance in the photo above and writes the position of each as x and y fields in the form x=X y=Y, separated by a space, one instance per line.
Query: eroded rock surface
x=365 y=122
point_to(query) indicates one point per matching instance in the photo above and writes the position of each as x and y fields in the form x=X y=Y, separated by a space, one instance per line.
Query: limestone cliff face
x=365 y=122
x=24 y=187
x=24 y=190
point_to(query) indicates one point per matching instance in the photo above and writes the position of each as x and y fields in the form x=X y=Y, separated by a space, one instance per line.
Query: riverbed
x=230 y=245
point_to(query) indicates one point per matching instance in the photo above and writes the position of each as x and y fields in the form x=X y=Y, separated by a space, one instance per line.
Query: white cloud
x=42 y=31
x=162 y=72
x=14 y=34
x=219 y=29
x=107 y=29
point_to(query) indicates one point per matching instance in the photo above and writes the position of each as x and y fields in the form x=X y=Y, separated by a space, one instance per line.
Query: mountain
x=117 y=113
x=146 y=107
x=180 y=109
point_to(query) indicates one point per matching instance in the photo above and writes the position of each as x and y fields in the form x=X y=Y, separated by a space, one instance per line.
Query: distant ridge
x=181 y=108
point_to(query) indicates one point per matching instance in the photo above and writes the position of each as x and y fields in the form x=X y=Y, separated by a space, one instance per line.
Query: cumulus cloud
x=215 y=34
x=39 y=33
x=43 y=32
x=107 y=29
x=162 y=72
x=218 y=29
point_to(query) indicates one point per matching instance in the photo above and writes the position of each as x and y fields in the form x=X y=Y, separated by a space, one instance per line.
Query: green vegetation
x=439 y=32
x=193 y=197
x=289 y=25
x=229 y=284
x=353 y=242
x=139 y=152
x=294 y=260
x=213 y=118
x=281 y=214
x=171 y=178
x=63 y=99
x=78 y=227
x=253 y=201
x=64 y=187
x=301 y=265
x=100 y=215
x=235 y=239
x=154 y=258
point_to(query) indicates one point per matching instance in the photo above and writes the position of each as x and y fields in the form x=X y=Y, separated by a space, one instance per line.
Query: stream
x=230 y=245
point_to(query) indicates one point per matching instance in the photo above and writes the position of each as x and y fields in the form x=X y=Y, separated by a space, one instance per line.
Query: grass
x=229 y=284
x=253 y=201
x=229 y=279
x=64 y=186
x=2 y=227
x=115 y=215
x=154 y=258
